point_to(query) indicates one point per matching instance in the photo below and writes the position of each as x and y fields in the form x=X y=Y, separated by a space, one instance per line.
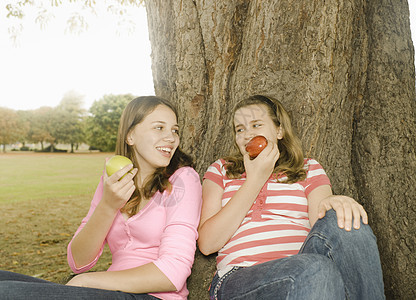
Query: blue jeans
x=16 y=286
x=332 y=264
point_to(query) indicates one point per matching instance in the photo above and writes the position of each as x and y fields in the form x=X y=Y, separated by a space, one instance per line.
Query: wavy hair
x=291 y=160
x=133 y=114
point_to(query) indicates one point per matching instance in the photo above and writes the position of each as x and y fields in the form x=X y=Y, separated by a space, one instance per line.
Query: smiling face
x=155 y=140
x=253 y=120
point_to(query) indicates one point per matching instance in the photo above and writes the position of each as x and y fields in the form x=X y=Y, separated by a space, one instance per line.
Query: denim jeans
x=332 y=264
x=15 y=286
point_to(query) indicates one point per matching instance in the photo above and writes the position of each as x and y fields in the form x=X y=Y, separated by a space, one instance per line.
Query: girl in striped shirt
x=278 y=230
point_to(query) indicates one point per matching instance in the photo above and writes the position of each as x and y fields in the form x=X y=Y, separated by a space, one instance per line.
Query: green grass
x=33 y=176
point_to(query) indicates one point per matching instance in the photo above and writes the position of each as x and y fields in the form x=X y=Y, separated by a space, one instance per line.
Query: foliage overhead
x=80 y=12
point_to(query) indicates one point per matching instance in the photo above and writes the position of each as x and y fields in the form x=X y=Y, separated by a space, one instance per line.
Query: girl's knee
x=323 y=279
x=319 y=266
x=329 y=225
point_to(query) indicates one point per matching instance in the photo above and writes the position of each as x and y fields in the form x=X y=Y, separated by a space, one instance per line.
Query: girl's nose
x=249 y=134
x=170 y=137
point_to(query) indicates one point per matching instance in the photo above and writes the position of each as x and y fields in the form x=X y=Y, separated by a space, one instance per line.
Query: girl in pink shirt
x=147 y=212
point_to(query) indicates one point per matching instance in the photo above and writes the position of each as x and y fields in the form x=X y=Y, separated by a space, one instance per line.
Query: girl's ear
x=280 y=132
x=129 y=139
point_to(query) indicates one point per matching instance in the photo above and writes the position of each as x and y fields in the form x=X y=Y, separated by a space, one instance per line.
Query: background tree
x=9 y=132
x=344 y=69
x=41 y=126
x=102 y=124
x=70 y=115
x=23 y=126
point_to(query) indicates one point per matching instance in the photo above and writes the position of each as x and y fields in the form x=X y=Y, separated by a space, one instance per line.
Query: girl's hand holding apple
x=119 y=187
x=261 y=168
x=256 y=145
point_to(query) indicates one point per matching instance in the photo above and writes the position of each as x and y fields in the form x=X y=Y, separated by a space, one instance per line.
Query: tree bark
x=384 y=144
x=345 y=71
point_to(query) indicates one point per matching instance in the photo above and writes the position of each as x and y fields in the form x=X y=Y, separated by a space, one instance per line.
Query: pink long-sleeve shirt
x=163 y=232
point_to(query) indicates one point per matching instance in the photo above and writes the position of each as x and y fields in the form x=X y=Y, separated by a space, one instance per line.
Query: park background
x=36 y=76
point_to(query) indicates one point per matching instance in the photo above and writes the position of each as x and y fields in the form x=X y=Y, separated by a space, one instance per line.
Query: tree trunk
x=345 y=71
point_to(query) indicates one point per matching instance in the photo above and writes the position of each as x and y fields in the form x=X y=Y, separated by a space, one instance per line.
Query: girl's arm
x=348 y=210
x=218 y=224
x=144 y=279
x=87 y=243
x=177 y=245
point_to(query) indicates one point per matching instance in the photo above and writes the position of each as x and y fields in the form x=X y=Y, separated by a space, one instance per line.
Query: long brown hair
x=291 y=160
x=133 y=114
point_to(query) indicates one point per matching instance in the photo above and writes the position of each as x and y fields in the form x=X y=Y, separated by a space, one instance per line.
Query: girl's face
x=253 y=120
x=155 y=139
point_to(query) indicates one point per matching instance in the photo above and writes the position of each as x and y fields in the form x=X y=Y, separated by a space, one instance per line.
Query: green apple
x=115 y=163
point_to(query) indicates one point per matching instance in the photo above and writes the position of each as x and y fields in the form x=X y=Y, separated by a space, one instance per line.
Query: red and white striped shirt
x=276 y=224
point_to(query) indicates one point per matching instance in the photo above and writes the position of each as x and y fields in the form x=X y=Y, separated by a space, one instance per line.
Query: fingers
x=271 y=151
x=128 y=176
x=359 y=213
x=353 y=214
x=323 y=208
x=331 y=203
x=357 y=217
x=117 y=176
x=125 y=191
x=349 y=212
x=125 y=184
x=246 y=158
x=344 y=212
x=119 y=187
x=363 y=214
x=343 y=216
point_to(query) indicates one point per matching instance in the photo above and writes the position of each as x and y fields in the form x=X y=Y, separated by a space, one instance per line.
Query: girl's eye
x=238 y=130
x=175 y=131
x=256 y=125
x=159 y=127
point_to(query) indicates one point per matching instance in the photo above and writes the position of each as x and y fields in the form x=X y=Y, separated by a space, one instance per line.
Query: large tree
x=345 y=70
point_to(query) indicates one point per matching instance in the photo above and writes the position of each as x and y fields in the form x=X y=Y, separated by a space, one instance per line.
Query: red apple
x=256 y=145
x=115 y=163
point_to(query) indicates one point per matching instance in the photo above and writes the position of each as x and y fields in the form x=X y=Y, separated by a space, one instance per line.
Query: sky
x=48 y=63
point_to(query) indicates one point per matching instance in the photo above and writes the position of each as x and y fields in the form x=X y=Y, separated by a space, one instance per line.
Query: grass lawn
x=43 y=198
x=36 y=176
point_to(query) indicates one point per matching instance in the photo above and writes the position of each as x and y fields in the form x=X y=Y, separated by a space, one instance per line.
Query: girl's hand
x=346 y=209
x=119 y=187
x=77 y=281
x=261 y=167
